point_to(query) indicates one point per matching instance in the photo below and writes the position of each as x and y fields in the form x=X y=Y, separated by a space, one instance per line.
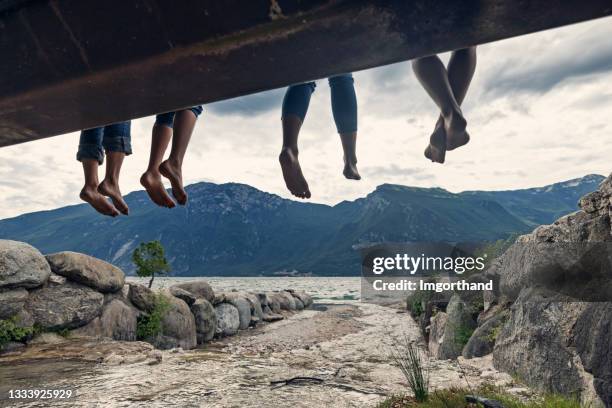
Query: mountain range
x=236 y=230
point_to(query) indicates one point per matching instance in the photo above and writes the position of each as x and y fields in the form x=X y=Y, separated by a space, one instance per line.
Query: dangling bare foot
x=111 y=189
x=350 y=169
x=90 y=195
x=172 y=171
x=454 y=126
x=292 y=173
x=152 y=182
x=436 y=150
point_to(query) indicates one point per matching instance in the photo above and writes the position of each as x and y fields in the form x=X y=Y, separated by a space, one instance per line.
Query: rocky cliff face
x=549 y=320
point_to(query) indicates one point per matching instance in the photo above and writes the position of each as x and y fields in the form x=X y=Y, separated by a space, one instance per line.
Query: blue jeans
x=111 y=138
x=343 y=101
x=167 y=119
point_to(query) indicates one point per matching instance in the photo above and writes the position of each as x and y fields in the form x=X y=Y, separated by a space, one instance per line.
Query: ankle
x=110 y=181
x=291 y=149
x=174 y=162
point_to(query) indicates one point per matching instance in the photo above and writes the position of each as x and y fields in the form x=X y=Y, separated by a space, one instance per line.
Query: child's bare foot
x=350 y=169
x=111 y=189
x=454 y=126
x=436 y=150
x=152 y=182
x=172 y=171
x=292 y=173
x=90 y=195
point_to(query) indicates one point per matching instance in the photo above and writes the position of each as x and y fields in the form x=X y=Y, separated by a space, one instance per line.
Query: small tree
x=149 y=259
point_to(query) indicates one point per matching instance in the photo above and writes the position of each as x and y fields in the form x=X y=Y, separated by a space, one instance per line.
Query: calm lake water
x=328 y=289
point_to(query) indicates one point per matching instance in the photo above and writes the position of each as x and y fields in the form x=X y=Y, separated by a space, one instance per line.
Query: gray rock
x=256 y=310
x=273 y=302
x=436 y=333
x=21 y=266
x=240 y=302
x=199 y=288
x=298 y=304
x=228 y=320
x=304 y=297
x=142 y=297
x=483 y=339
x=460 y=324
x=532 y=344
x=178 y=326
x=182 y=294
x=118 y=322
x=272 y=317
x=205 y=320
x=65 y=306
x=55 y=279
x=592 y=336
x=290 y=300
x=11 y=302
x=87 y=270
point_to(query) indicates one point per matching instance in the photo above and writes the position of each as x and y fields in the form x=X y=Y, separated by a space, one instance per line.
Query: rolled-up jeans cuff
x=90 y=152
x=119 y=144
x=197 y=110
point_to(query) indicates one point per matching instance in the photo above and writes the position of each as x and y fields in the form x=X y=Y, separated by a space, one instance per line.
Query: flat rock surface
x=345 y=345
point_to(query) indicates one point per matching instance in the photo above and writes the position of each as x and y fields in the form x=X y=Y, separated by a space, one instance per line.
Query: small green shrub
x=9 y=331
x=150 y=325
x=407 y=356
x=462 y=335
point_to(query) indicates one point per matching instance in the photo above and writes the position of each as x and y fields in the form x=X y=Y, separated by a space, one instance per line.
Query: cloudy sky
x=539 y=112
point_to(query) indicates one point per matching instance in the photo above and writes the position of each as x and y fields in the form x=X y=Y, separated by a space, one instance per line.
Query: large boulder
x=205 y=320
x=592 y=336
x=199 y=289
x=228 y=320
x=277 y=302
x=460 y=324
x=11 y=302
x=240 y=302
x=532 y=344
x=256 y=310
x=304 y=297
x=290 y=300
x=178 y=327
x=65 y=306
x=21 y=266
x=483 y=339
x=182 y=294
x=87 y=270
x=118 y=322
x=269 y=301
x=142 y=297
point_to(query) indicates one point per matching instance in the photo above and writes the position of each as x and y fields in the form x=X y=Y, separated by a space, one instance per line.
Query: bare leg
x=432 y=74
x=461 y=68
x=110 y=185
x=90 y=193
x=349 y=146
x=292 y=172
x=172 y=169
x=151 y=179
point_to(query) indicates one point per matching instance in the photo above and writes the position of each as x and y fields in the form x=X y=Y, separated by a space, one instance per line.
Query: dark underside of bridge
x=73 y=64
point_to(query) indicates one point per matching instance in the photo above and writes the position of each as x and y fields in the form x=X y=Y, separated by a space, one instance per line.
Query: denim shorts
x=167 y=119
x=111 y=138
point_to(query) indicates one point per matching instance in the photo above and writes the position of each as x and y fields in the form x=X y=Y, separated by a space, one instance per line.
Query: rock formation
x=77 y=295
